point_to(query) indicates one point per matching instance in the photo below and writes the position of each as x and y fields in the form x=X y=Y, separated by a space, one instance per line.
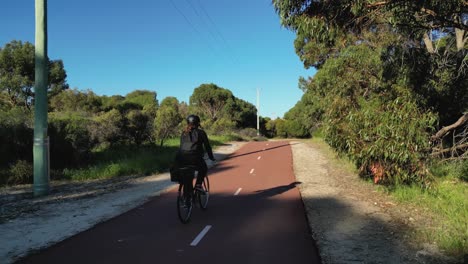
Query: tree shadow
x=258 y=151
x=276 y=190
x=341 y=233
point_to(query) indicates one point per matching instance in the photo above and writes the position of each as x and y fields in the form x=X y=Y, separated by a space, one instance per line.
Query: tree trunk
x=428 y=42
x=461 y=39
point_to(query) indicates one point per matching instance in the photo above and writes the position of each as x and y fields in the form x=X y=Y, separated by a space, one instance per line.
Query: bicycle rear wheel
x=184 y=206
x=204 y=196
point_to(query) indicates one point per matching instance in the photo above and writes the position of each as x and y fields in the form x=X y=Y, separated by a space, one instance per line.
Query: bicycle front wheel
x=184 y=205
x=204 y=196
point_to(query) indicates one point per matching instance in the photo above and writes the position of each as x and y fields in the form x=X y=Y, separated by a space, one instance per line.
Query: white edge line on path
x=251 y=171
x=238 y=191
x=200 y=236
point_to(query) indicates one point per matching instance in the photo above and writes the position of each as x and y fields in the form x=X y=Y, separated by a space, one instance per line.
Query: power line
x=230 y=54
x=188 y=21
x=217 y=31
x=201 y=18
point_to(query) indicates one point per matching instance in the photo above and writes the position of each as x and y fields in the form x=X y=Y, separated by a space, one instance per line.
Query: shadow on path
x=258 y=151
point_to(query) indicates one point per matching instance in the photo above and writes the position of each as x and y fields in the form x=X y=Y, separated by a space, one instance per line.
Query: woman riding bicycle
x=193 y=144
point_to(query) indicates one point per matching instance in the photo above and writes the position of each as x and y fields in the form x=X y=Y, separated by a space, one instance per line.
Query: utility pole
x=41 y=140
x=258 y=112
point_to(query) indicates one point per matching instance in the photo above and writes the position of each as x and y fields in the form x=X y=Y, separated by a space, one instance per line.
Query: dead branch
x=447 y=150
x=441 y=133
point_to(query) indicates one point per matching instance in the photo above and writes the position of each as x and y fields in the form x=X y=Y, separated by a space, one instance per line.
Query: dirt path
x=351 y=222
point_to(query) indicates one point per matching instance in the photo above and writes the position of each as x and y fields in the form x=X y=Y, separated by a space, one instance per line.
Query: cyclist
x=193 y=144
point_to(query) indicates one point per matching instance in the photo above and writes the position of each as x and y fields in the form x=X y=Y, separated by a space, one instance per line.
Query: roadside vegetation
x=444 y=206
x=124 y=161
x=391 y=97
x=96 y=137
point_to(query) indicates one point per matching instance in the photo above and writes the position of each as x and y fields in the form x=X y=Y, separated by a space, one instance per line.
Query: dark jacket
x=195 y=143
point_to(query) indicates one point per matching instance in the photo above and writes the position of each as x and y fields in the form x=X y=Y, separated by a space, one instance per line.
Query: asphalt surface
x=255 y=215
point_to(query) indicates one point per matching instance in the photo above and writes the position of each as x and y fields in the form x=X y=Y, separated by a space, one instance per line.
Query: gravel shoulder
x=350 y=221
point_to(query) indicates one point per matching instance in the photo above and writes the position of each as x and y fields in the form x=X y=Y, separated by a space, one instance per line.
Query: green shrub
x=21 y=173
x=70 y=141
x=296 y=129
x=107 y=128
x=16 y=136
x=379 y=124
x=385 y=138
x=463 y=170
x=221 y=126
x=137 y=129
x=248 y=132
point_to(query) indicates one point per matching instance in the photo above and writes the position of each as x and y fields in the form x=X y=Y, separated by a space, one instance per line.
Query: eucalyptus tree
x=167 y=119
x=74 y=100
x=377 y=79
x=142 y=98
x=324 y=26
x=243 y=113
x=208 y=100
x=422 y=42
x=17 y=74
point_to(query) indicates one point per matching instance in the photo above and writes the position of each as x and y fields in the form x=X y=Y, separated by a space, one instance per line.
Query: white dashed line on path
x=200 y=236
x=259 y=157
x=251 y=171
x=238 y=191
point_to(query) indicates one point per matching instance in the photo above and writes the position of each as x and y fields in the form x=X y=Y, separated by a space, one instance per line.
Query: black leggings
x=202 y=169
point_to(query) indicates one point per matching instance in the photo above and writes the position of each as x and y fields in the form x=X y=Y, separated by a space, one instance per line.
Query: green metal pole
x=41 y=141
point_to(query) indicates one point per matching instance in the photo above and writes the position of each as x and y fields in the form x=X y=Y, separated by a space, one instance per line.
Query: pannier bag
x=177 y=174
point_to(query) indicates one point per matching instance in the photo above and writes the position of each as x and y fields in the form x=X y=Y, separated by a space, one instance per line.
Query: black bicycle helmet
x=193 y=119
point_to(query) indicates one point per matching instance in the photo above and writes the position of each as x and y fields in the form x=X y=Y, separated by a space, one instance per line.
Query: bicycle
x=185 y=202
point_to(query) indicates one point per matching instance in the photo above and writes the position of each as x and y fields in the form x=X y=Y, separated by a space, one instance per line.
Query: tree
x=281 y=128
x=242 y=112
x=308 y=111
x=167 y=119
x=111 y=102
x=17 y=73
x=142 y=98
x=208 y=100
x=137 y=129
x=377 y=123
x=73 y=100
x=323 y=27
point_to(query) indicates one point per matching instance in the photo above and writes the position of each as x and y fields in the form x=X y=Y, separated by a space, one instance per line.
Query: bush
x=248 y=132
x=296 y=129
x=137 y=128
x=16 y=136
x=385 y=138
x=107 y=128
x=70 y=141
x=21 y=172
x=222 y=126
x=463 y=170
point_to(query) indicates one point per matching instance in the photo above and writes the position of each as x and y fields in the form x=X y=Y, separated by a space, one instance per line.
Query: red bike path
x=255 y=215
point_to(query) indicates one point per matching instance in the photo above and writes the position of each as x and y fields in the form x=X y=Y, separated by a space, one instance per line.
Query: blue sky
x=168 y=46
